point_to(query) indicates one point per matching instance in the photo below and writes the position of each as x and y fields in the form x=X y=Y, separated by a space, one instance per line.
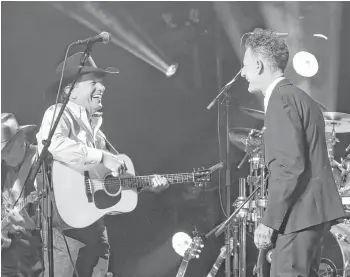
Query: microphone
x=103 y=37
x=234 y=78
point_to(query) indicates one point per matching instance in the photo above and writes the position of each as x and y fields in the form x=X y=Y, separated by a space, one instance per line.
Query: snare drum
x=336 y=252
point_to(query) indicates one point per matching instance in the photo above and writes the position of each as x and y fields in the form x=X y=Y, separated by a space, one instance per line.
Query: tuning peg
x=196 y=256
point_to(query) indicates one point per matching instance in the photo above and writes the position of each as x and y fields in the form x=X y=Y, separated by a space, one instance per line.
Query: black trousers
x=298 y=254
x=96 y=245
x=24 y=256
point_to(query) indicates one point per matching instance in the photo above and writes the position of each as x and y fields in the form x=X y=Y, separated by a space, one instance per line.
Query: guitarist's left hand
x=263 y=237
x=159 y=183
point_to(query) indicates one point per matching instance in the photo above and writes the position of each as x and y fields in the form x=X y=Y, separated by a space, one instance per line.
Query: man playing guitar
x=79 y=144
x=20 y=243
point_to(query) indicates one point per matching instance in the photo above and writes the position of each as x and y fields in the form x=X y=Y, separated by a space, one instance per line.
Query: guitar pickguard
x=103 y=200
x=99 y=196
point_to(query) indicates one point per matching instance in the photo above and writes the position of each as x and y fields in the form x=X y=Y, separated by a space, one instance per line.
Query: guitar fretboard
x=19 y=206
x=144 y=181
x=183 y=267
x=215 y=268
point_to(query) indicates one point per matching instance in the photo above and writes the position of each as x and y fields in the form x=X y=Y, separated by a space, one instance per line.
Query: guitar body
x=82 y=198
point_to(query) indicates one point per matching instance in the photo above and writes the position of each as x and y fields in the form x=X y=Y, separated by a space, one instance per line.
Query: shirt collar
x=270 y=89
x=78 y=110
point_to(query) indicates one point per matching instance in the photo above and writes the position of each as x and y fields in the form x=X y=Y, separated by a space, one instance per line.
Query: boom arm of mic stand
x=43 y=155
x=223 y=90
x=219 y=229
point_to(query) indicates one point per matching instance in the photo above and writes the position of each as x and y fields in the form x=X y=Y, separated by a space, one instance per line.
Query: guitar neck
x=183 y=267
x=19 y=206
x=215 y=268
x=145 y=181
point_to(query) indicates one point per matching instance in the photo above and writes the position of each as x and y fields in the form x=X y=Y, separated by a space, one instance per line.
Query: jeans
x=96 y=245
x=24 y=256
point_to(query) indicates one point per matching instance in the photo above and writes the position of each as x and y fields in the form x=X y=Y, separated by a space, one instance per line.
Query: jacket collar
x=283 y=83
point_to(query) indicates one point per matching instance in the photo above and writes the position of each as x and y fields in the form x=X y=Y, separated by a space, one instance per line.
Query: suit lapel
x=282 y=83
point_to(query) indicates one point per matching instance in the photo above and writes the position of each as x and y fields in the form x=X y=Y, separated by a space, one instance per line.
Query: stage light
x=305 y=64
x=321 y=36
x=181 y=242
x=171 y=70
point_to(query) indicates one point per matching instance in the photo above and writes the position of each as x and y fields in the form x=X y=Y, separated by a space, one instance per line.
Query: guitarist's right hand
x=20 y=219
x=114 y=164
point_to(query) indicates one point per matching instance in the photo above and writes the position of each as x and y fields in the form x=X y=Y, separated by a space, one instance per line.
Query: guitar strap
x=109 y=145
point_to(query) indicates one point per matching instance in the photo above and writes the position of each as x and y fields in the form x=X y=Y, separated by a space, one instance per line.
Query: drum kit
x=336 y=260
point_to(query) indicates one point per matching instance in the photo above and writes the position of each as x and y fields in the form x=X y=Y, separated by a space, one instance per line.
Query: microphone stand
x=220 y=228
x=45 y=155
x=228 y=173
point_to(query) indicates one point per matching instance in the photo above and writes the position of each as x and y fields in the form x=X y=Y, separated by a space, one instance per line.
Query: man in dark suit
x=303 y=200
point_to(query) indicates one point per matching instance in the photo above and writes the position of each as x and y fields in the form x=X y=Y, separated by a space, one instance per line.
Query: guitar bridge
x=88 y=186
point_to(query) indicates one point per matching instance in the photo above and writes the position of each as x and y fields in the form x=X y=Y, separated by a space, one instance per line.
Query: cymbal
x=339 y=121
x=239 y=137
x=322 y=107
x=254 y=113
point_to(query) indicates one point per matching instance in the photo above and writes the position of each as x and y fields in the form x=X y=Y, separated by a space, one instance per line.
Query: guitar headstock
x=202 y=176
x=194 y=249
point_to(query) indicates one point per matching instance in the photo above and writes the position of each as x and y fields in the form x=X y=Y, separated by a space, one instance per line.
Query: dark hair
x=271 y=47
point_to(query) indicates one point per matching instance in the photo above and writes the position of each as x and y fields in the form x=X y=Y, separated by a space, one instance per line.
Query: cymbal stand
x=242 y=215
x=331 y=142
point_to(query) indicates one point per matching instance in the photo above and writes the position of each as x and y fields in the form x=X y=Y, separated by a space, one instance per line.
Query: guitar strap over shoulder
x=109 y=146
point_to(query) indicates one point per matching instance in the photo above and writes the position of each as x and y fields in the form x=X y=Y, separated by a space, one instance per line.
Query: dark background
x=161 y=123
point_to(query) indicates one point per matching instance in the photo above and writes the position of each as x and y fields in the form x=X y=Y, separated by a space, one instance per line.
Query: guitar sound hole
x=112 y=185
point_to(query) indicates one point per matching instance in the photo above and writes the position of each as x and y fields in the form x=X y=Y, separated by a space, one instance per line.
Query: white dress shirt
x=76 y=142
x=269 y=91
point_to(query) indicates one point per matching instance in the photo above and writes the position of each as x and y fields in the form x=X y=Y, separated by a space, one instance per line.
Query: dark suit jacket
x=301 y=189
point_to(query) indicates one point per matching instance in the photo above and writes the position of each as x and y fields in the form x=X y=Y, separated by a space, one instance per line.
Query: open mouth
x=98 y=97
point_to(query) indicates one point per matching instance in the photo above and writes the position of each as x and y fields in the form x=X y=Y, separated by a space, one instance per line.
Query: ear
x=259 y=67
x=66 y=91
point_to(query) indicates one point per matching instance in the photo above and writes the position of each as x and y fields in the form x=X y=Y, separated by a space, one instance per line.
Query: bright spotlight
x=321 y=36
x=305 y=64
x=171 y=70
x=181 y=242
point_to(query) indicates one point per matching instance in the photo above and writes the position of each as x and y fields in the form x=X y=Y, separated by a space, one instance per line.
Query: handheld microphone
x=103 y=37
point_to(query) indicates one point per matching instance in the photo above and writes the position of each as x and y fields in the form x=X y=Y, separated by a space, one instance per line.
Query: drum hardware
x=246 y=139
x=238 y=224
x=337 y=122
x=248 y=210
x=254 y=113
